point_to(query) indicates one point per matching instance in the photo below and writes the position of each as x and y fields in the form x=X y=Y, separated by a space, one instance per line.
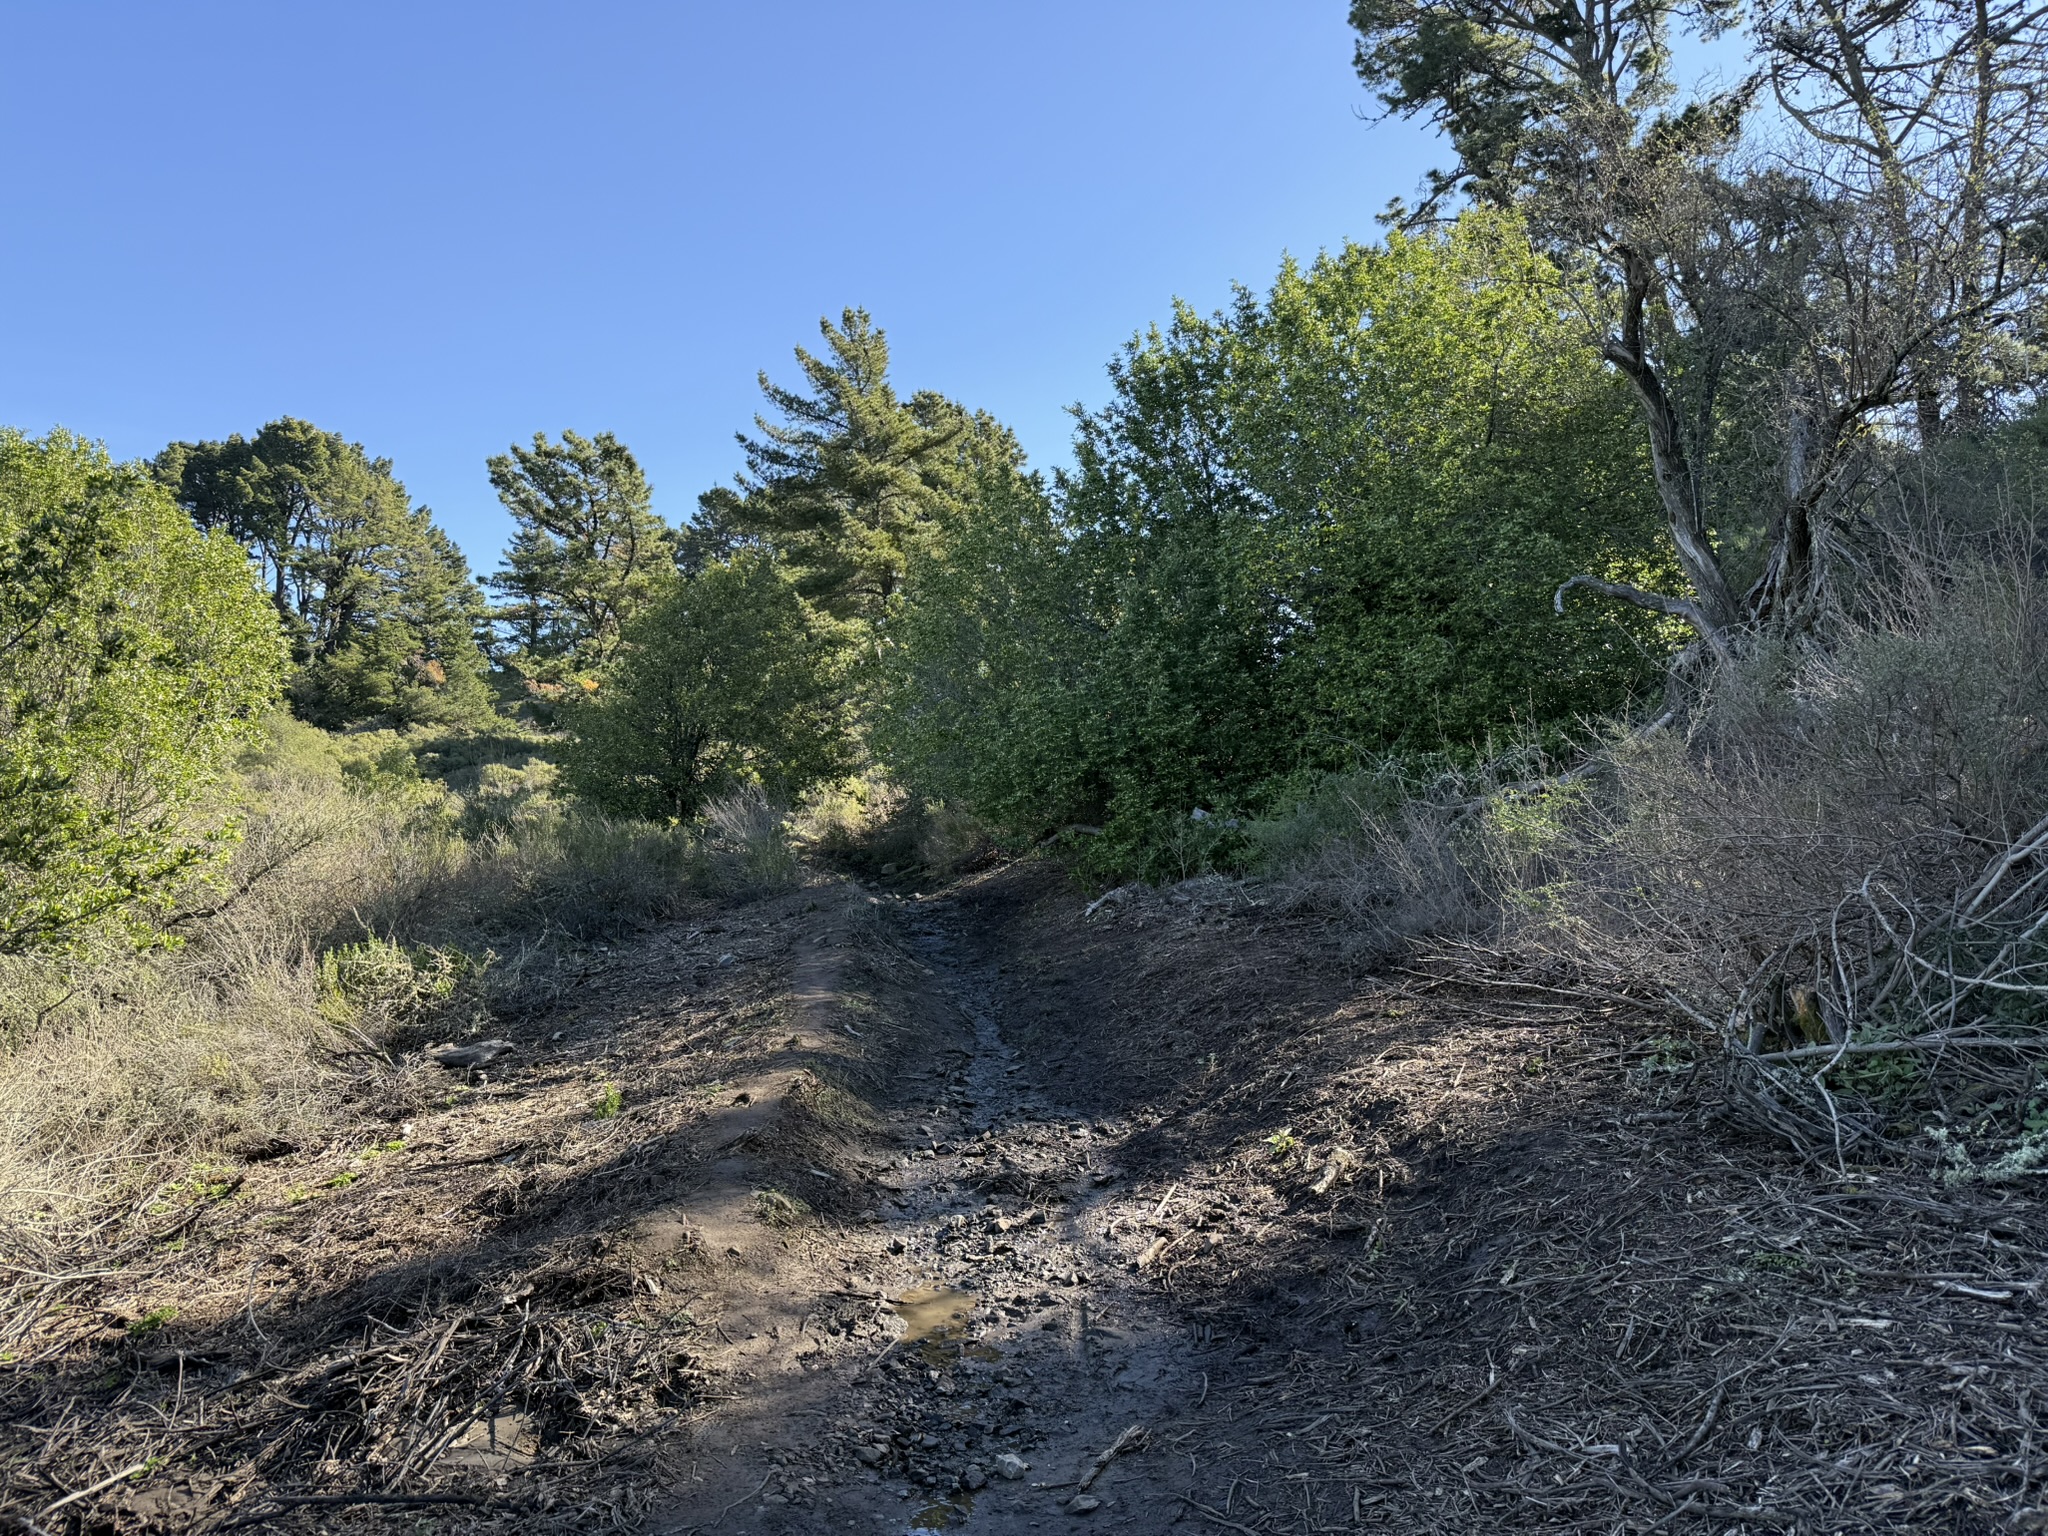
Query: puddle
x=935 y=1324
x=933 y=1313
x=941 y=1517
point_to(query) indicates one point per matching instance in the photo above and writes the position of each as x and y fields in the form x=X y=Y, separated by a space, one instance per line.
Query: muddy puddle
x=935 y=1322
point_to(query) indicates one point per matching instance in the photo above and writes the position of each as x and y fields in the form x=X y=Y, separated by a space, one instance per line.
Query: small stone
x=1011 y=1467
x=1083 y=1504
x=972 y=1478
x=871 y=1455
x=895 y=1245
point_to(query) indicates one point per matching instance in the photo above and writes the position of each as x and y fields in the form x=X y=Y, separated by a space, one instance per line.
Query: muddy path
x=1007 y=1208
x=1448 y=1246
x=982 y=1340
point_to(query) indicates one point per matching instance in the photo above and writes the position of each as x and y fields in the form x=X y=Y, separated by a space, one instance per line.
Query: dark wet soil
x=1011 y=1338
x=1003 y=1210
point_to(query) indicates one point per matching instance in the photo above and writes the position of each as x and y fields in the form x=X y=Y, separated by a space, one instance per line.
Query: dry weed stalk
x=1841 y=871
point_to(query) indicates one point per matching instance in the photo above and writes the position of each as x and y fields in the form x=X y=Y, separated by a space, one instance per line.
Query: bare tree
x=1787 y=294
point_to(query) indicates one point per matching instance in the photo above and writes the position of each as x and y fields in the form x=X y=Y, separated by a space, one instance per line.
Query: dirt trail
x=964 y=1357
x=856 y=1210
x=1458 y=1249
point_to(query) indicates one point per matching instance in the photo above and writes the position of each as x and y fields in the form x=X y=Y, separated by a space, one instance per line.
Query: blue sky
x=436 y=228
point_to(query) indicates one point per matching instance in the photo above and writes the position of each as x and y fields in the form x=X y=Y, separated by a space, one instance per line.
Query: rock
x=1011 y=1467
x=972 y=1478
x=870 y=1455
x=460 y=1058
x=1083 y=1504
x=260 y=1146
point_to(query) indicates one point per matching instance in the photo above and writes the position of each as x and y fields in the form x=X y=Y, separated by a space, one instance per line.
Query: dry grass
x=1838 y=870
x=369 y=911
x=875 y=826
x=1399 y=851
x=1833 y=868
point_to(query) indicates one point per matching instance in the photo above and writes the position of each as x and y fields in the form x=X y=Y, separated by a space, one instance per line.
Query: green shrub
x=136 y=656
x=1325 y=524
x=730 y=680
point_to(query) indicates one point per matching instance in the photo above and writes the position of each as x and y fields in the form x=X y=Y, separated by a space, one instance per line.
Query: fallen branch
x=1209 y=1514
x=1130 y=1440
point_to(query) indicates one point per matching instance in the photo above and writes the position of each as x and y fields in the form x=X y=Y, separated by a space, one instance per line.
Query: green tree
x=845 y=476
x=728 y=679
x=1781 y=311
x=986 y=692
x=136 y=656
x=588 y=555
x=378 y=602
x=1326 y=523
x=412 y=654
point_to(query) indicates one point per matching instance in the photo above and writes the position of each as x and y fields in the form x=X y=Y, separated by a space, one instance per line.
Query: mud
x=1003 y=1210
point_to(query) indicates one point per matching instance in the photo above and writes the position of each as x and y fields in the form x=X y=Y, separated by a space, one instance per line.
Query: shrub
x=136 y=656
x=1324 y=523
x=365 y=910
x=730 y=680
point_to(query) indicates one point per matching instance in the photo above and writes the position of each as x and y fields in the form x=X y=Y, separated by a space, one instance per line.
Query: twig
x=284 y=1501
x=1129 y=1440
x=1534 y=1442
x=85 y=1493
x=1692 y=1441
x=735 y=1504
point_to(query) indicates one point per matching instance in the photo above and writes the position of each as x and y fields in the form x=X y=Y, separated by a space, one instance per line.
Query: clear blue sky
x=438 y=227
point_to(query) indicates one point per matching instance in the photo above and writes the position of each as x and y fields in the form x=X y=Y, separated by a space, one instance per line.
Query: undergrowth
x=1830 y=865
x=390 y=890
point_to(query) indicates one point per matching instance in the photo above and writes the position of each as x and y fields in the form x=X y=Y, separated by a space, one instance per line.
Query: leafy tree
x=730 y=678
x=589 y=553
x=843 y=477
x=136 y=656
x=986 y=698
x=1325 y=523
x=377 y=601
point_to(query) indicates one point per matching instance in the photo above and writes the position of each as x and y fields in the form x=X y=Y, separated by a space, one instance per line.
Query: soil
x=1000 y=1209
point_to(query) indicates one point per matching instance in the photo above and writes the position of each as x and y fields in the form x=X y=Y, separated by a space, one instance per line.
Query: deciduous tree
x=730 y=678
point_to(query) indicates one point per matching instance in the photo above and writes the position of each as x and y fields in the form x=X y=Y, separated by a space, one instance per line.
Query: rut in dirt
x=1025 y=1372
x=1451 y=1246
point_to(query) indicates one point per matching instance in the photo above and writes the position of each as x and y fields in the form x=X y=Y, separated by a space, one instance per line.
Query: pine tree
x=850 y=475
x=588 y=555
